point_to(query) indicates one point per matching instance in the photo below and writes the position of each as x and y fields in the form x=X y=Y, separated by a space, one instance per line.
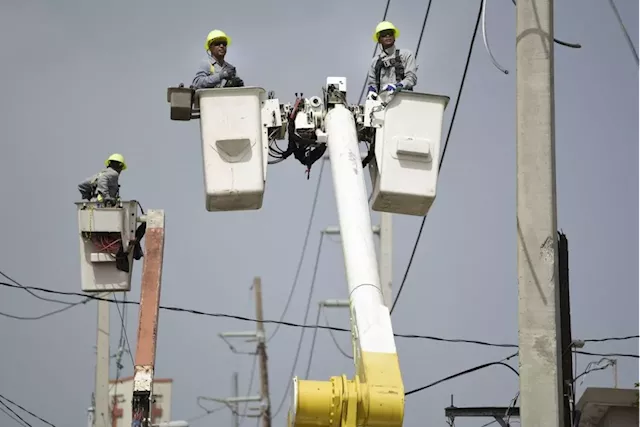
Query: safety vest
x=395 y=62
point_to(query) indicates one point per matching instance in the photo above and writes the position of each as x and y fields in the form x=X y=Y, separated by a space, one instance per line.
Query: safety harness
x=394 y=62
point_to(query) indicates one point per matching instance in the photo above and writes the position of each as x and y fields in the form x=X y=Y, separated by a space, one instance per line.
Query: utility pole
x=262 y=355
x=236 y=407
x=101 y=415
x=148 y=317
x=541 y=390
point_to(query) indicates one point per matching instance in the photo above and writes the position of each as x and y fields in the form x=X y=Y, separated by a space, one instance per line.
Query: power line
x=444 y=150
x=635 y=356
x=302 y=254
x=629 y=337
x=307 y=326
x=15 y=417
x=624 y=30
x=27 y=411
x=303 y=330
x=32 y=293
x=465 y=372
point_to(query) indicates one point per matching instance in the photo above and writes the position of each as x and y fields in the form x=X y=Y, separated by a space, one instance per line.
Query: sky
x=85 y=79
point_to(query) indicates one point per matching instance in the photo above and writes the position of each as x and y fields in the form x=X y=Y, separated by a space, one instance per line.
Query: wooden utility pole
x=262 y=355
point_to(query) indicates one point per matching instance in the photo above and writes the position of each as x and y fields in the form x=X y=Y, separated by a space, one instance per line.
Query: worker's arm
x=410 y=71
x=205 y=79
x=107 y=185
x=371 y=76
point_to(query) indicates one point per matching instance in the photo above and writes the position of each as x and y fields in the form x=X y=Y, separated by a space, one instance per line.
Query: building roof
x=596 y=401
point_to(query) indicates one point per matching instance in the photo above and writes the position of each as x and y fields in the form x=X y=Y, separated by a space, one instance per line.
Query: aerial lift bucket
x=404 y=172
x=234 y=131
x=106 y=236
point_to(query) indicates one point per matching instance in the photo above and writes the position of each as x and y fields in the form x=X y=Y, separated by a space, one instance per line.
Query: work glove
x=394 y=87
x=227 y=73
x=234 y=82
x=372 y=93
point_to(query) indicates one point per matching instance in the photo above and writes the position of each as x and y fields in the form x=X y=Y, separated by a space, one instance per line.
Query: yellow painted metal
x=374 y=398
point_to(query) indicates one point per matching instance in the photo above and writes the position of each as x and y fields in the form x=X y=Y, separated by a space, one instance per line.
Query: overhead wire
x=484 y=39
x=634 y=52
x=467 y=371
x=321 y=311
x=33 y=293
x=303 y=330
x=333 y=338
x=302 y=253
x=15 y=417
x=306 y=326
x=26 y=410
x=444 y=150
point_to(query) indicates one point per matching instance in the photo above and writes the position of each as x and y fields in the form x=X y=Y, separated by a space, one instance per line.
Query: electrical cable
x=313 y=343
x=27 y=411
x=629 y=337
x=424 y=26
x=560 y=42
x=484 y=39
x=123 y=331
x=333 y=338
x=15 y=417
x=32 y=293
x=465 y=372
x=303 y=330
x=306 y=326
x=634 y=52
x=302 y=254
x=635 y=356
x=375 y=49
x=444 y=150
x=589 y=368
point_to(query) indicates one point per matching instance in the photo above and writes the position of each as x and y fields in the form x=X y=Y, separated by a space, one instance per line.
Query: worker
x=393 y=69
x=103 y=187
x=214 y=71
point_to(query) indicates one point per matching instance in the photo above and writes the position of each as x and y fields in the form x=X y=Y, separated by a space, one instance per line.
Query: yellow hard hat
x=385 y=25
x=116 y=157
x=216 y=34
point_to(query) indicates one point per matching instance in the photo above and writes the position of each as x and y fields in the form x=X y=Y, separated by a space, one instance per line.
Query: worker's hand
x=227 y=73
x=393 y=88
x=372 y=96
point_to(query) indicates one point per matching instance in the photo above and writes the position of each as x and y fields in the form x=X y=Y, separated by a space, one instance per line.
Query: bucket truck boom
x=403 y=133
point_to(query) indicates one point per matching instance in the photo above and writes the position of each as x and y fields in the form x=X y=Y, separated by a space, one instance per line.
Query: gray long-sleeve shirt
x=105 y=183
x=388 y=74
x=210 y=74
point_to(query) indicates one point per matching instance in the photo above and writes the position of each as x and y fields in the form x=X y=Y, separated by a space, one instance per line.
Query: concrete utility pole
x=538 y=291
x=101 y=415
x=262 y=355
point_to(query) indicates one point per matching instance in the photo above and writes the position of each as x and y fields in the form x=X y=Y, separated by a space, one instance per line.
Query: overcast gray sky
x=85 y=79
